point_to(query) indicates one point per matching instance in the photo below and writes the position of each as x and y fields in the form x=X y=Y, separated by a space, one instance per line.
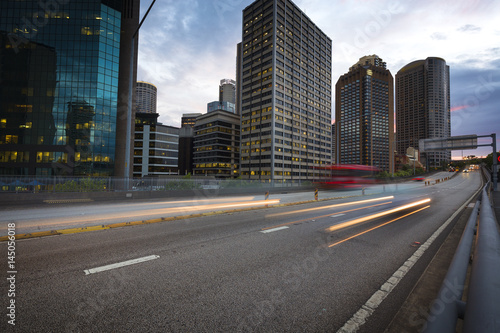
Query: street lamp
x=129 y=108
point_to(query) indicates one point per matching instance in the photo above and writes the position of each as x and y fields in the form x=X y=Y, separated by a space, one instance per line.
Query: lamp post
x=129 y=106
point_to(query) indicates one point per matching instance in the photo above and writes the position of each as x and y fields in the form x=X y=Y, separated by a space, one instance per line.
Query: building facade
x=423 y=107
x=145 y=97
x=186 y=142
x=227 y=91
x=217 y=105
x=285 y=80
x=189 y=119
x=364 y=115
x=59 y=86
x=156 y=147
x=216 y=149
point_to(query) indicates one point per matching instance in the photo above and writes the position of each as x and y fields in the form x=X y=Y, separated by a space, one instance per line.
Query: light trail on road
x=371 y=229
x=196 y=201
x=376 y=215
x=127 y=216
x=327 y=215
x=330 y=206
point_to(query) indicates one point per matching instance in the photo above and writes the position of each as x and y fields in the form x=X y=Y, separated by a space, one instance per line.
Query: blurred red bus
x=346 y=176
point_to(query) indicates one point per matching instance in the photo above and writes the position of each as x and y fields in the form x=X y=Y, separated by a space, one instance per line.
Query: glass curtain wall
x=58 y=87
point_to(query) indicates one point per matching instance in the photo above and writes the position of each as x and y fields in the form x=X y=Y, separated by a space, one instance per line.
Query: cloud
x=187 y=46
x=475 y=96
x=469 y=28
x=438 y=36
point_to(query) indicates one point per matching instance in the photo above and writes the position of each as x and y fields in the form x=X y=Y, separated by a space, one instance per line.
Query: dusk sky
x=186 y=47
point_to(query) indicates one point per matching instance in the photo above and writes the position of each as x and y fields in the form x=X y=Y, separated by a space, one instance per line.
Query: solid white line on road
x=272 y=230
x=367 y=309
x=337 y=215
x=120 y=264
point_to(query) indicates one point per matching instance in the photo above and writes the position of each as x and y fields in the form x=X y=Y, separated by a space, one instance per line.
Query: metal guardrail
x=481 y=311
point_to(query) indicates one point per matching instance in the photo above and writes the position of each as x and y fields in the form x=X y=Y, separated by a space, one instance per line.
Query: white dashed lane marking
x=120 y=264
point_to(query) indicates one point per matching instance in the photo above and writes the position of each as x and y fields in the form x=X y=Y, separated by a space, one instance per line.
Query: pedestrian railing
x=20 y=184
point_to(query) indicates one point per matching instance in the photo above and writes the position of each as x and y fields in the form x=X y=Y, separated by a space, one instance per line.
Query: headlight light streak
x=321 y=216
x=161 y=211
x=197 y=201
x=374 y=216
x=331 y=206
x=364 y=232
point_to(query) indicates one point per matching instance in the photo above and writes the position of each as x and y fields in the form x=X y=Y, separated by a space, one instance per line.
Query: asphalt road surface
x=344 y=264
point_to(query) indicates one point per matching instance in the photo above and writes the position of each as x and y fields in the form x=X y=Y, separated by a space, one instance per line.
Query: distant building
x=373 y=60
x=217 y=144
x=186 y=139
x=189 y=119
x=217 y=105
x=285 y=94
x=145 y=97
x=156 y=147
x=227 y=91
x=364 y=115
x=423 y=107
x=334 y=149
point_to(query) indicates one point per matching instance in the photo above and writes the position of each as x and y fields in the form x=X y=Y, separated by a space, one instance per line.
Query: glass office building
x=423 y=107
x=59 y=67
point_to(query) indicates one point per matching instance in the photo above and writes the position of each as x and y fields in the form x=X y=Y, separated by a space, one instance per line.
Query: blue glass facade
x=59 y=66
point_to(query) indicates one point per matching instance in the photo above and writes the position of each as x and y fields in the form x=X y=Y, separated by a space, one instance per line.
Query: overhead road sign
x=450 y=143
x=462 y=142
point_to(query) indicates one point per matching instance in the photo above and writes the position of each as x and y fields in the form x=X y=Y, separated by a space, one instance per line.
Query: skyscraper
x=285 y=93
x=68 y=57
x=423 y=107
x=364 y=115
x=145 y=96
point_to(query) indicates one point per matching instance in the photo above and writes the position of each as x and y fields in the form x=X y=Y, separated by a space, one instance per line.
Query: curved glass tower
x=423 y=106
x=145 y=94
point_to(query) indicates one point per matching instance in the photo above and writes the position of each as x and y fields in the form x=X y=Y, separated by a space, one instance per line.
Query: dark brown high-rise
x=364 y=115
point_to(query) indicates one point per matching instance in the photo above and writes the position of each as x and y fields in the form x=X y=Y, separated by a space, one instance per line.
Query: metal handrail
x=448 y=306
x=481 y=313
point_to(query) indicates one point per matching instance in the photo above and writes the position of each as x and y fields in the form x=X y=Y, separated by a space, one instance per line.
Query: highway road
x=333 y=265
